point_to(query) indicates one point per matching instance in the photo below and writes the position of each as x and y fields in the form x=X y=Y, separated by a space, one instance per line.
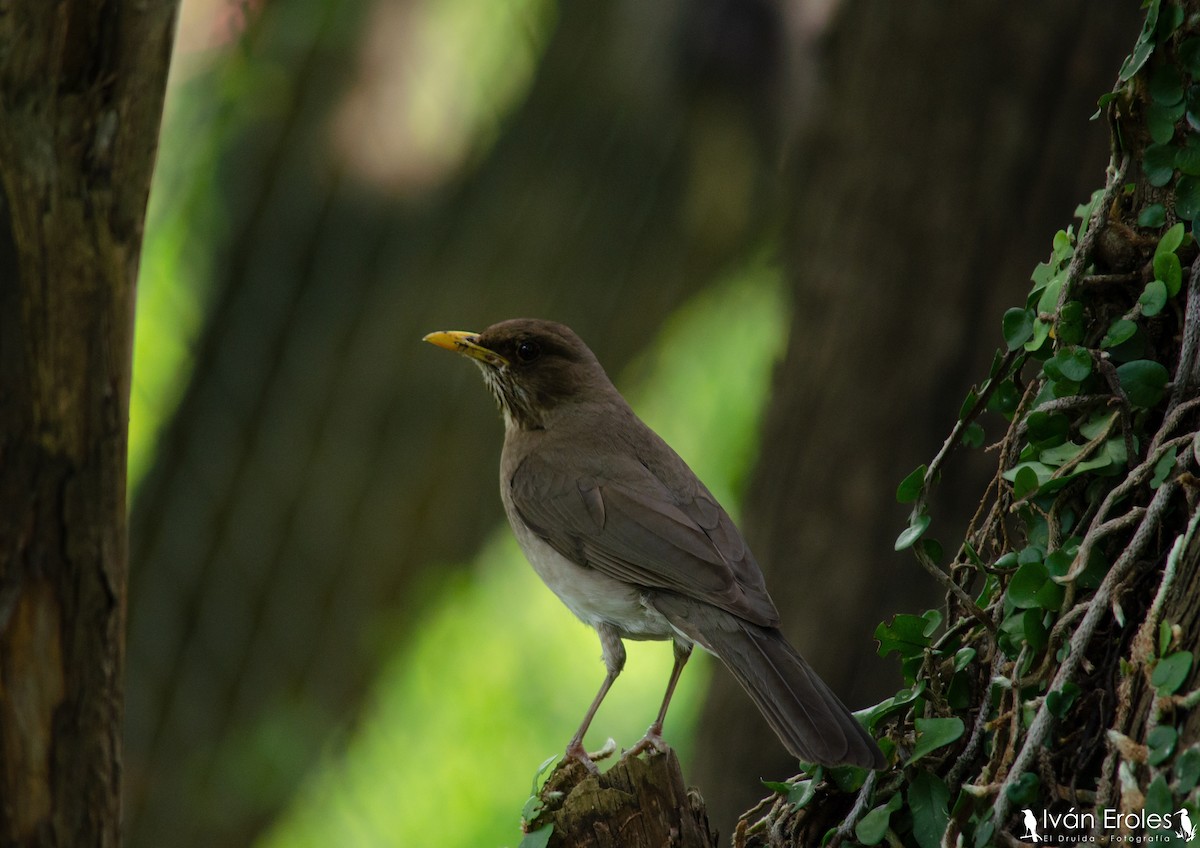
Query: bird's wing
x=634 y=528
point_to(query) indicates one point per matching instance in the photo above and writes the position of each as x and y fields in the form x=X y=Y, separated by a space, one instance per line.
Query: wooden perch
x=641 y=802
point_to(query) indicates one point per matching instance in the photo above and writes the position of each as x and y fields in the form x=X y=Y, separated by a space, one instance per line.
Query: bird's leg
x=653 y=738
x=614 y=661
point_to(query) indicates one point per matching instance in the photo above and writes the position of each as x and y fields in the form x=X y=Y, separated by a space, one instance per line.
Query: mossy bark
x=641 y=802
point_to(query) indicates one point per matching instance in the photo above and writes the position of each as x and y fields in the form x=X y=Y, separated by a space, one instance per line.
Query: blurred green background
x=765 y=218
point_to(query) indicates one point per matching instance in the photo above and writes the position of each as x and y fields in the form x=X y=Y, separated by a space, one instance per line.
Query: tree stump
x=641 y=802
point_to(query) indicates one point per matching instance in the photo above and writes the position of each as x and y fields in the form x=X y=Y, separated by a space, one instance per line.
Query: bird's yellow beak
x=466 y=343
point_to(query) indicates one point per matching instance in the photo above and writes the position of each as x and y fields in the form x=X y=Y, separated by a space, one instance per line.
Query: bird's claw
x=652 y=741
x=576 y=751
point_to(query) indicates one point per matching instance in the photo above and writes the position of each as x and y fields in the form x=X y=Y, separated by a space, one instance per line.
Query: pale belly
x=594 y=597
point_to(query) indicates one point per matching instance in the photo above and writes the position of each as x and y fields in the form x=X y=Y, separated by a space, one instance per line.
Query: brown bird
x=622 y=530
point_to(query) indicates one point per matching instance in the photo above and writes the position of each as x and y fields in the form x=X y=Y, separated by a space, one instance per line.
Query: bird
x=621 y=529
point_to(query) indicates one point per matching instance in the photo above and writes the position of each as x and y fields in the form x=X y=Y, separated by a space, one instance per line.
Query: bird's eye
x=528 y=351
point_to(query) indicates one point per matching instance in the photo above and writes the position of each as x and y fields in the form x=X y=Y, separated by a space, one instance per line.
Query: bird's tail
x=807 y=717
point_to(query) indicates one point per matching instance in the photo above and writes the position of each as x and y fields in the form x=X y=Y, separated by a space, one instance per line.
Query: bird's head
x=532 y=367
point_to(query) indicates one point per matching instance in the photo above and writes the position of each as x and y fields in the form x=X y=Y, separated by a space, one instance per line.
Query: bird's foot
x=652 y=741
x=576 y=751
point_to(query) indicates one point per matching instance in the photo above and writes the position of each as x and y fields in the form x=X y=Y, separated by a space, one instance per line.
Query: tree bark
x=641 y=802
x=924 y=190
x=81 y=92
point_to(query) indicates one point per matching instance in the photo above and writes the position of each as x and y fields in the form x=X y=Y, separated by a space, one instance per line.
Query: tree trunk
x=81 y=91
x=949 y=140
x=1053 y=696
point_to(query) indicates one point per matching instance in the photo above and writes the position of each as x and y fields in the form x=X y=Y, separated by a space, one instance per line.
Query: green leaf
x=1158 y=797
x=1161 y=742
x=1166 y=86
x=928 y=799
x=1161 y=119
x=1189 y=56
x=1187 y=770
x=1072 y=363
x=968 y=404
x=1169 y=272
x=1005 y=398
x=1036 y=635
x=1187 y=197
x=1187 y=160
x=1024 y=585
x=1171 y=240
x=539 y=838
x=1058 y=701
x=913 y=532
x=934 y=733
x=910 y=487
x=972 y=435
x=1144 y=381
x=1144 y=46
x=1171 y=672
x=1154 y=296
x=1153 y=216
x=1070 y=323
x=1158 y=163
x=1119 y=332
x=905 y=635
x=1162 y=468
x=1018 y=327
x=797 y=794
x=871 y=716
x=1165 y=635
x=1041 y=332
x=872 y=827
x=1025 y=482
x=1024 y=789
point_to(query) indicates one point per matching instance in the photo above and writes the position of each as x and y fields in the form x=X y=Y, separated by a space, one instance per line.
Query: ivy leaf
x=905 y=635
x=1187 y=770
x=872 y=827
x=1144 y=381
x=1071 y=363
x=1154 y=215
x=1169 y=272
x=1144 y=46
x=1154 y=296
x=1189 y=56
x=539 y=838
x=1017 y=327
x=1158 y=163
x=1119 y=332
x=1166 y=86
x=1162 y=468
x=1187 y=197
x=910 y=487
x=913 y=532
x=1187 y=158
x=928 y=799
x=1026 y=583
x=1171 y=240
x=1171 y=672
x=1070 y=323
x=1161 y=742
x=934 y=733
x=1058 y=701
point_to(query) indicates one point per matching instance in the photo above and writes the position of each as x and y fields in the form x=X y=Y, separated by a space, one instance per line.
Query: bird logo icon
x=1187 y=830
x=1031 y=826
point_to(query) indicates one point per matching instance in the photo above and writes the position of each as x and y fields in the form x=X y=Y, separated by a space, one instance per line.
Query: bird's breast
x=594 y=597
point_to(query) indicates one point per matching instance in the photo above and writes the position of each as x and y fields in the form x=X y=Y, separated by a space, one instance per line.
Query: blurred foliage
x=499 y=672
x=420 y=112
